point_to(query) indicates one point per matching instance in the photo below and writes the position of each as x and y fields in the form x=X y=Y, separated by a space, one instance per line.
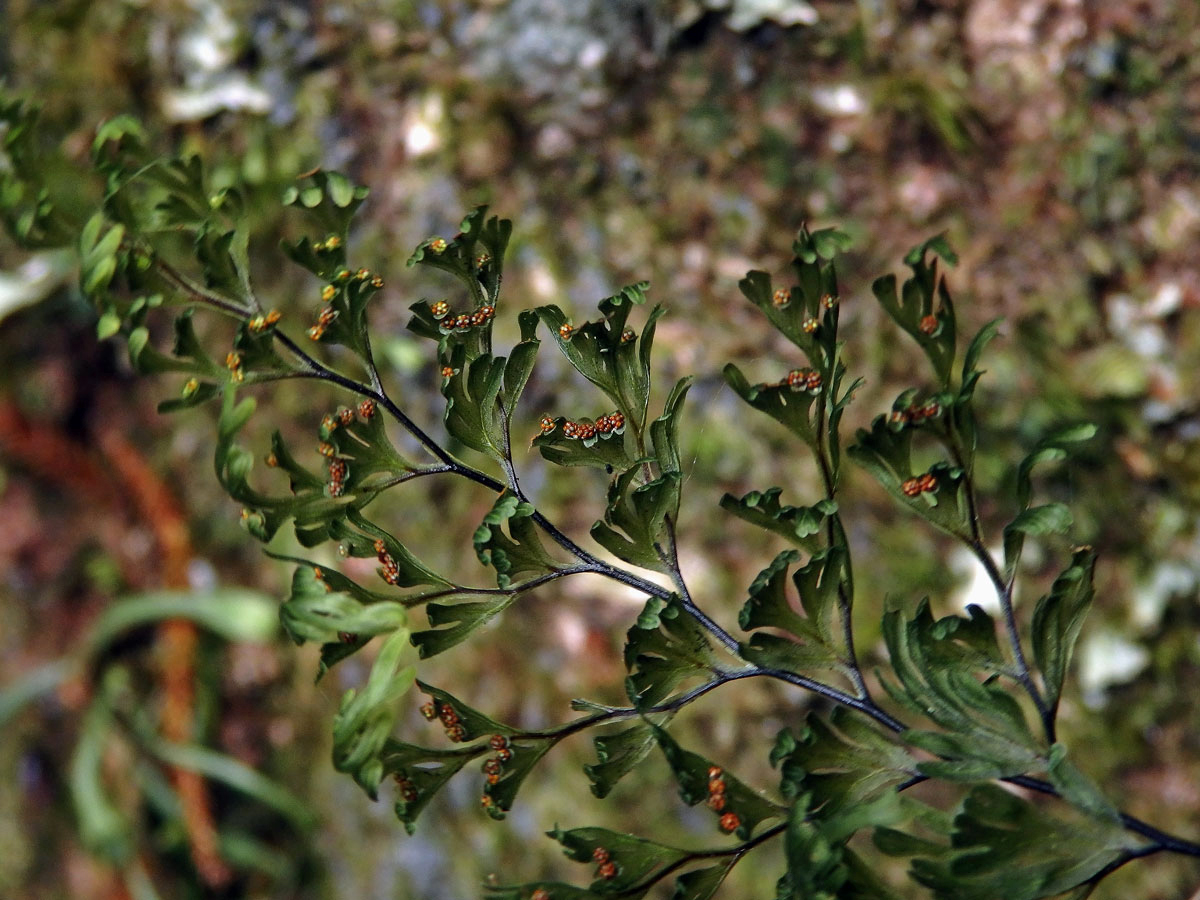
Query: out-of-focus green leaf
x=103 y=828
x=1053 y=448
x=98 y=245
x=236 y=614
x=28 y=686
x=237 y=775
x=314 y=611
x=366 y=716
x=30 y=212
x=330 y=197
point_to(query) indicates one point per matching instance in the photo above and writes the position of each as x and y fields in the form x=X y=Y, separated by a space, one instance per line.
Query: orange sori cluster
x=325 y=317
x=493 y=766
x=463 y=321
x=605 y=867
x=338 y=470
x=540 y=894
x=389 y=571
x=919 y=485
x=782 y=297
x=233 y=362
x=444 y=712
x=408 y=790
x=716 y=799
x=330 y=422
x=612 y=423
x=330 y=243
x=930 y=325
x=803 y=380
x=259 y=324
x=327 y=314
x=916 y=413
x=566 y=330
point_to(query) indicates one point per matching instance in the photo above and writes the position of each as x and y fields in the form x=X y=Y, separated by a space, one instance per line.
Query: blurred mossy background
x=1056 y=141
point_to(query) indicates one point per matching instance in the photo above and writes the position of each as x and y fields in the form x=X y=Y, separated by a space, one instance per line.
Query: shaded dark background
x=1058 y=144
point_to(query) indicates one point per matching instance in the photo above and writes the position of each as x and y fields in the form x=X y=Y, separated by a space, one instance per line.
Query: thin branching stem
x=200 y=295
x=670 y=556
x=412 y=474
x=1003 y=588
x=316 y=369
x=1023 y=673
x=617 y=713
x=864 y=705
